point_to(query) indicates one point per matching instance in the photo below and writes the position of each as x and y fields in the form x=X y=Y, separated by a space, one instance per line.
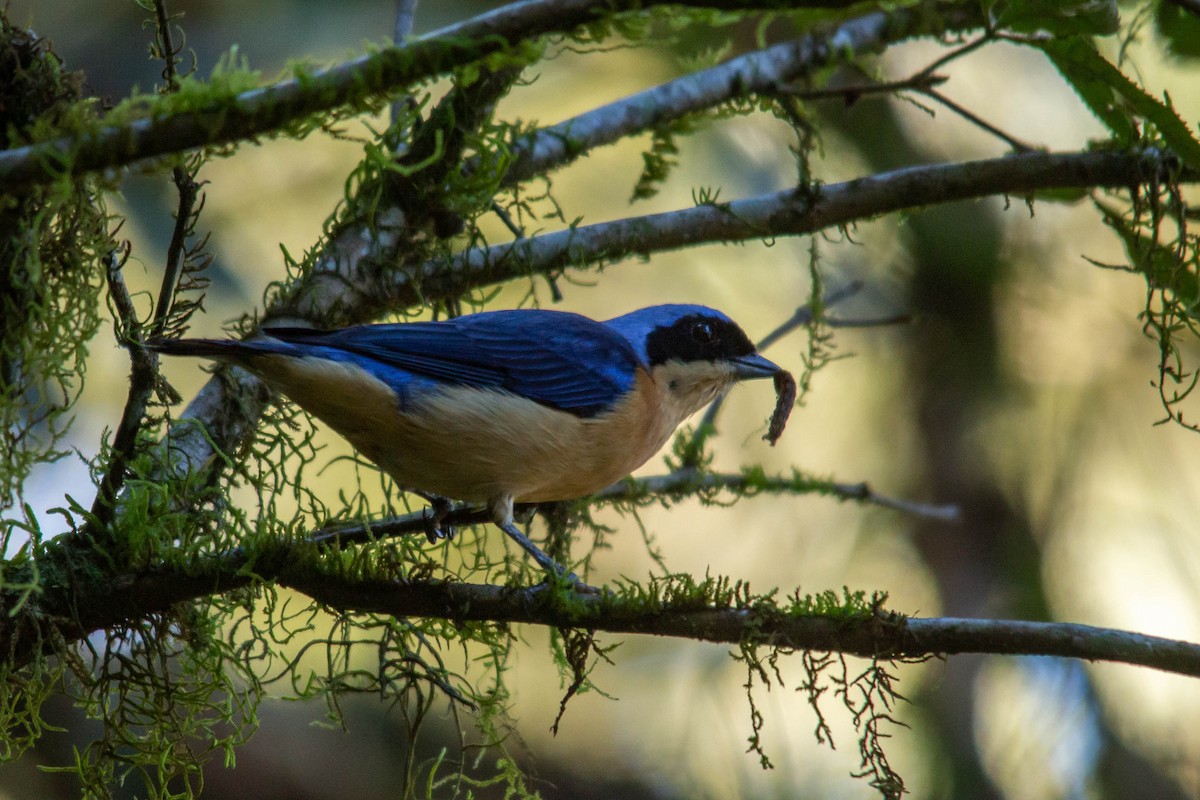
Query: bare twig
x=870 y=322
x=406 y=11
x=144 y=364
x=924 y=83
x=955 y=54
x=803 y=315
x=165 y=45
x=686 y=482
x=188 y=190
x=142 y=378
x=851 y=93
x=1016 y=144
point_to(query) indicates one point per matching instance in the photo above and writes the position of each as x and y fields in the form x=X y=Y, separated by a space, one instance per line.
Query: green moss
x=53 y=240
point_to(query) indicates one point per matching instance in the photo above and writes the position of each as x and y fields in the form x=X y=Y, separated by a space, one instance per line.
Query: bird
x=502 y=407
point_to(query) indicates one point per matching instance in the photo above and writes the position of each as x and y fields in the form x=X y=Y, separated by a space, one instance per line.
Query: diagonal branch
x=350 y=85
x=760 y=72
x=787 y=213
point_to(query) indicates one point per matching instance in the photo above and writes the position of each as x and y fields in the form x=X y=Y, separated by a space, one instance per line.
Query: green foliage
x=819 y=352
x=169 y=694
x=657 y=162
x=869 y=695
x=1155 y=228
x=53 y=239
x=1118 y=102
x=1060 y=18
x=1165 y=250
x=1179 y=27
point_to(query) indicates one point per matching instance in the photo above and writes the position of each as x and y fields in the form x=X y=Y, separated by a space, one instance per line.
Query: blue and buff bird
x=505 y=407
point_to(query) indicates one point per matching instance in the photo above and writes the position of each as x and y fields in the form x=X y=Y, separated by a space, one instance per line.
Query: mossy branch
x=351 y=86
x=791 y=213
x=686 y=613
x=672 y=487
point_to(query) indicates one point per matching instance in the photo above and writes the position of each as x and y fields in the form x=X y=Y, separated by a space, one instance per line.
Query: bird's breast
x=477 y=444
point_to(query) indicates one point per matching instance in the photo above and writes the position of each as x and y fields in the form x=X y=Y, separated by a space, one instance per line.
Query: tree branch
x=678 y=485
x=884 y=635
x=790 y=212
x=881 y=635
x=762 y=71
x=349 y=85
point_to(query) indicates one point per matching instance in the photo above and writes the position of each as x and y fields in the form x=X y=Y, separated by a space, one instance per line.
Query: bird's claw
x=438 y=508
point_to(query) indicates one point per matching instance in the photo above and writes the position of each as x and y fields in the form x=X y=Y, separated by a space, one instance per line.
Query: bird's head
x=696 y=353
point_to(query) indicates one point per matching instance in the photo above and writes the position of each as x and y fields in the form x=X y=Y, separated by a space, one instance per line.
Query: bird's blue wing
x=558 y=359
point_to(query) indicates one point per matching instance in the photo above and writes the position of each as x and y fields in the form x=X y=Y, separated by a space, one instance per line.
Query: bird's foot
x=439 y=508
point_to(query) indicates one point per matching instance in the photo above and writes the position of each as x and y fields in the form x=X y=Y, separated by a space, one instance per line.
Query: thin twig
x=142 y=377
x=871 y=322
x=188 y=190
x=1016 y=144
x=406 y=11
x=955 y=54
x=803 y=315
x=676 y=485
x=168 y=52
x=853 y=92
x=686 y=482
x=143 y=364
x=185 y=185
x=516 y=230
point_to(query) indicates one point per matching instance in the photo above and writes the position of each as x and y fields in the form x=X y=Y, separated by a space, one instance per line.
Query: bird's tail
x=219 y=349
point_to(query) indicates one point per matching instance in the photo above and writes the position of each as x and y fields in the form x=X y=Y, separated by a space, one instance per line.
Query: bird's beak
x=754 y=366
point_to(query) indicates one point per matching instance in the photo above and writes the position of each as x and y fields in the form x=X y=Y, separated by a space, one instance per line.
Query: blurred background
x=1020 y=392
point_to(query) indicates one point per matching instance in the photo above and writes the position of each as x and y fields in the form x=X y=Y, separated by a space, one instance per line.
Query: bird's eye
x=702 y=332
